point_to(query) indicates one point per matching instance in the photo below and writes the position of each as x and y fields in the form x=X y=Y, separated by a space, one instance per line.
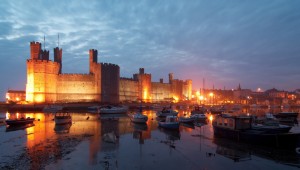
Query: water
x=81 y=146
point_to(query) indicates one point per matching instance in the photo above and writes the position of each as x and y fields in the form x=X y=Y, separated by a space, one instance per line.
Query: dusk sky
x=255 y=43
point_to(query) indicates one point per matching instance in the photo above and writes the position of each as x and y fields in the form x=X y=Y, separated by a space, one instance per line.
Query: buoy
x=298 y=150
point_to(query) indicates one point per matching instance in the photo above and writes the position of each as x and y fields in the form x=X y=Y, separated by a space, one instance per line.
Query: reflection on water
x=64 y=128
x=18 y=127
x=58 y=142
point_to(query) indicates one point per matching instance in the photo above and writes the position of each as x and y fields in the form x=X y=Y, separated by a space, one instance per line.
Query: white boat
x=166 y=112
x=138 y=118
x=52 y=108
x=186 y=119
x=113 y=109
x=199 y=117
x=171 y=122
x=62 y=118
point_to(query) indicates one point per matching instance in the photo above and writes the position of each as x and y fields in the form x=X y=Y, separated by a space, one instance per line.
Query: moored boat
x=62 y=118
x=166 y=112
x=287 y=115
x=138 y=118
x=198 y=110
x=189 y=119
x=240 y=128
x=113 y=109
x=21 y=121
x=171 y=122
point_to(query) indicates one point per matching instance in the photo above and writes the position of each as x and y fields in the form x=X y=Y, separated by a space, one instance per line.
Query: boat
x=287 y=115
x=52 y=108
x=138 y=118
x=21 y=121
x=166 y=112
x=19 y=127
x=62 y=118
x=198 y=110
x=269 y=124
x=197 y=117
x=240 y=128
x=189 y=119
x=272 y=128
x=171 y=122
x=113 y=109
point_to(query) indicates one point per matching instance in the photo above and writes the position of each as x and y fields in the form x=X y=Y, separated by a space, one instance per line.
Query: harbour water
x=81 y=145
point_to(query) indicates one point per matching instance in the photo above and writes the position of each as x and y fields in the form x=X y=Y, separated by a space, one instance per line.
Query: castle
x=47 y=84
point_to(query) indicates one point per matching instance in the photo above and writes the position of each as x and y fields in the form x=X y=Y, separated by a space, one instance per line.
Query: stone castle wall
x=129 y=90
x=161 y=92
x=76 y=87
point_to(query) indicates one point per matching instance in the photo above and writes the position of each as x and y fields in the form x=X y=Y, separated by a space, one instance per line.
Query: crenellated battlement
x=109 y=65
x=41 y=61
x=34 y=43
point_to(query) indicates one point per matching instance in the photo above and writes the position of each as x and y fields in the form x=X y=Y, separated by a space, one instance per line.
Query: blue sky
x=227 y=42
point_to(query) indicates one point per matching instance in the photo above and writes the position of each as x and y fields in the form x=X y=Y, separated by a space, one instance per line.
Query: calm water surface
x=81 y=146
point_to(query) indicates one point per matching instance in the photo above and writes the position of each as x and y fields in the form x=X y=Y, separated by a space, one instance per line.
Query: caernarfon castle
x=47 y=84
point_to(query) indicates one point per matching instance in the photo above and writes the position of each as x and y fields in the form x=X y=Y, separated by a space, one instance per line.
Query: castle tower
x=58 y=57
x=41 y=75
x=144 y=85
x=44 y=55
x=93 y=59
x=35 y=50
x=170 y=78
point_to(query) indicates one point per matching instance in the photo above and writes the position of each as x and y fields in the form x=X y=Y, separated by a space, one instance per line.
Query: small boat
x=186 y=119
x=19 y=127
x=272 y=128
x=52 y=108
x=199 y=117
x=62 y=118
x=113 y=109
x=171 y=122
x=166 y=112
x=198 y=110
x=138 y=118
x=269 y=124
x=21 y=121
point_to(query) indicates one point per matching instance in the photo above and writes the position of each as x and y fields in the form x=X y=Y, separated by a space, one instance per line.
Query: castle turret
x=170 y=78
x=58 y=57
x=93 y=59
x=35 y=50
x=142 y=71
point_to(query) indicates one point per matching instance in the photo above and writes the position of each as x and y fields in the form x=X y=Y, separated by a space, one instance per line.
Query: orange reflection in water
x=211 y=118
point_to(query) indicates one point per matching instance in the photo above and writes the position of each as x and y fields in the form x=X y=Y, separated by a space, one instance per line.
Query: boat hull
x=19 y=122
x=278 y=140
x=139 y=120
